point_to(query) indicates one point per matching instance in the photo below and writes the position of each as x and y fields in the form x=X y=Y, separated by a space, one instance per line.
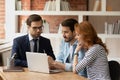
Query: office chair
x=114 y=68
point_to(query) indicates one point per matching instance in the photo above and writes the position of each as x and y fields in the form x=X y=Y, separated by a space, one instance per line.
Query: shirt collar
x=31 y=38
x=74 y=44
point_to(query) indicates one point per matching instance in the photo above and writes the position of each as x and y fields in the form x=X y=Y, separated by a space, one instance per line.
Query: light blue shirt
x=64 y=54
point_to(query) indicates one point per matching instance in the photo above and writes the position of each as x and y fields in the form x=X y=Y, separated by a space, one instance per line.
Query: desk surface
x=40 y=76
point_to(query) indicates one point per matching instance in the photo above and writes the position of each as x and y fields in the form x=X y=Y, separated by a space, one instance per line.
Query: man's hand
x=51 y=62
x=55 y=65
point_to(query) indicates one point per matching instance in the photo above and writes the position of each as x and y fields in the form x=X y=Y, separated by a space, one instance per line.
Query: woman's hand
x=78 y=48
x=75 y=62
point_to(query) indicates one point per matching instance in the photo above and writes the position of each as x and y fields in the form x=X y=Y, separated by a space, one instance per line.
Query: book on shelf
x=112 y=28
x=117 y=27
x=60 y=29
x=65 y=6
x=97 y=5
x=54 y=5
x=23 y=28
x=51 y=5
x=46 y=6
x=18 y=5
x=115 y=30
x=106 y=28
x=46 y=27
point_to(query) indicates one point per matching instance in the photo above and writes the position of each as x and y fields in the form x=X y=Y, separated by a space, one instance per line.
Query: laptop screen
x=37 y=62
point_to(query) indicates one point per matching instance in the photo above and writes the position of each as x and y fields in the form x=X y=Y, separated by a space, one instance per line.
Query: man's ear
x=28 y=27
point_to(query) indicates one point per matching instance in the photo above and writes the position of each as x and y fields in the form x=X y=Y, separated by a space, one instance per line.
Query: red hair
x=89 y=34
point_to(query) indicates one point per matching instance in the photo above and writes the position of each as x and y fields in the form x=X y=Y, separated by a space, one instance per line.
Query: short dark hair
x=69 y=23
x=33 y=17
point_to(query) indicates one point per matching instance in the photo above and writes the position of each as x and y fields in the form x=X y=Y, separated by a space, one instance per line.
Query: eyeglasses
x=36 y=28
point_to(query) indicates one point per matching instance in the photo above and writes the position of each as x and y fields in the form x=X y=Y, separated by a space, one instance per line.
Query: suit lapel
x=27 y=43
x=41 y=45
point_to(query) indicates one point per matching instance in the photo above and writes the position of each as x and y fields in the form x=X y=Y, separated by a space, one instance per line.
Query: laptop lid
x=37 y=62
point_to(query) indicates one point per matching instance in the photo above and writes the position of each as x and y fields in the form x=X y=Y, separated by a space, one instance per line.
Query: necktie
x=35 y=45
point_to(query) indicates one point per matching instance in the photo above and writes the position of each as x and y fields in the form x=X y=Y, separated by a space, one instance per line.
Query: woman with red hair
x=95 y=59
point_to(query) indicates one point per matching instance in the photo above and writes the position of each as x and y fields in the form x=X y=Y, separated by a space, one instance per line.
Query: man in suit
x=64 y=58
x=32 y=42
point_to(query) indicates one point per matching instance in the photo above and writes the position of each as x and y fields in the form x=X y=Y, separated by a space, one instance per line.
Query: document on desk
x=13 y=69
x=10 y=65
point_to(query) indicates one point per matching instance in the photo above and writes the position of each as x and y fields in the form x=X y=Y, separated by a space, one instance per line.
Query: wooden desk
x=40 y=76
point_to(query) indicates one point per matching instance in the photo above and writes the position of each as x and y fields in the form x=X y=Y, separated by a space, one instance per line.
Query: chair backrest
x=114 y=68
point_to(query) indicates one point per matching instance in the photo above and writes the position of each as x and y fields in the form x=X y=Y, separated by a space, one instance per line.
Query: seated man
x=64 y=59
x=32 y=42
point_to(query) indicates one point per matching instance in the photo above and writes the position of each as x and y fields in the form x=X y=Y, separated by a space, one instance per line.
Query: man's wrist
x=76 y=54
x=76 y=51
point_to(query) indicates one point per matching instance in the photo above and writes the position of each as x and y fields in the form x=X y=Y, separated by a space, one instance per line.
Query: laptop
x=38 y=62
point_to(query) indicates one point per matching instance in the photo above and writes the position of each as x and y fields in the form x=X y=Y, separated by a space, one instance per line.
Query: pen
x=13 y=55
x=44 y=51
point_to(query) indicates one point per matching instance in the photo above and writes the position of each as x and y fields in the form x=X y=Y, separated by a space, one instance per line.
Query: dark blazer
x=21 y=45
